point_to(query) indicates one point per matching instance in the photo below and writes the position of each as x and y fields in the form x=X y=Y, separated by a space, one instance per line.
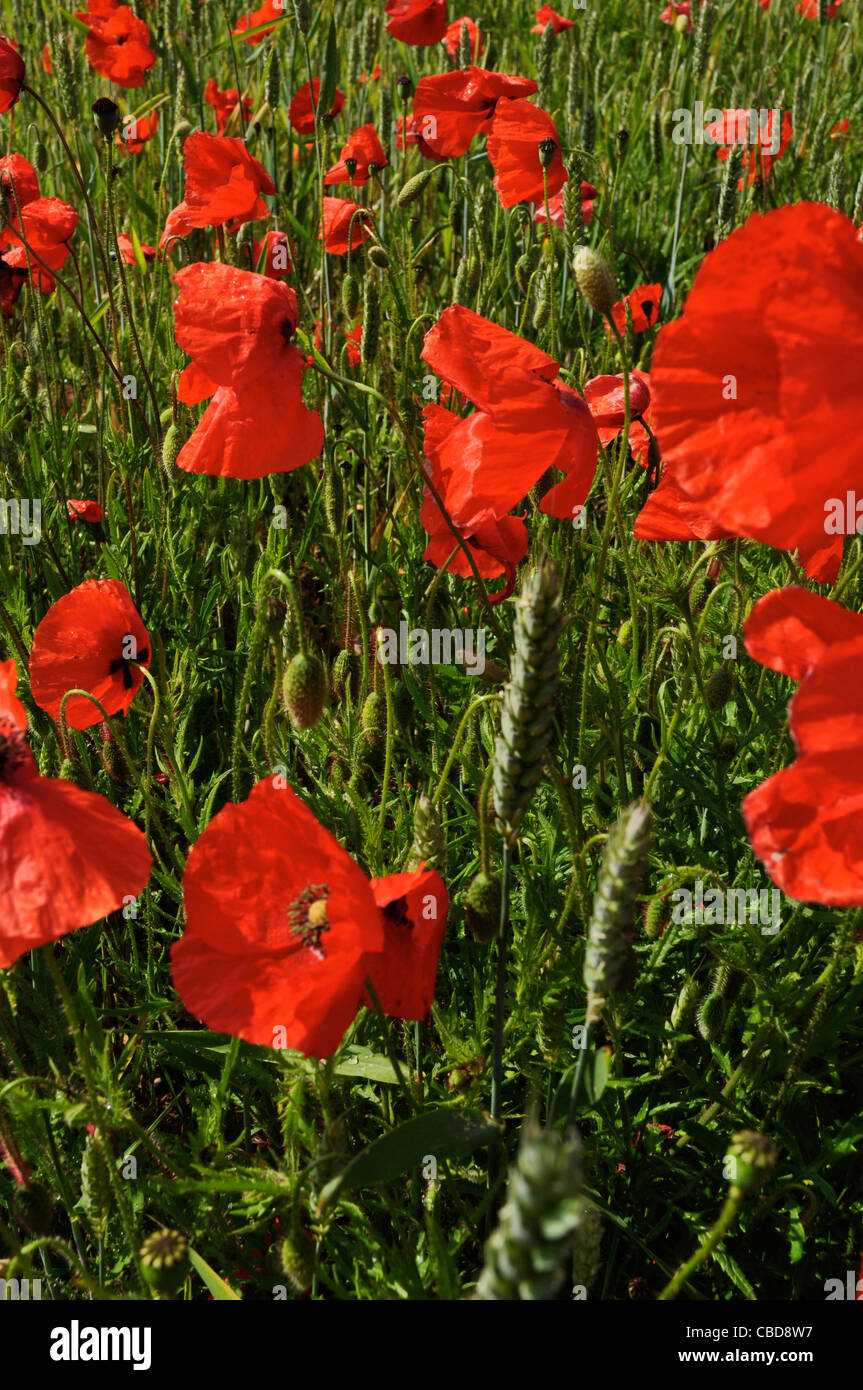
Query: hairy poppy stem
x=717 y=1233
x=500 y=992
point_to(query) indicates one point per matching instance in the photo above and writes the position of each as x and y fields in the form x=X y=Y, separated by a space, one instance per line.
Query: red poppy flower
x=364 y=147
x=804 y=822
x=136 y=133
x=674 y=9
x=517 y=131
x=301 y=112
x=809 y=8
x=118 y=45
x=643 y=305
x=12 y=73
x=452 y=38
x=276 y=254
x=414 y=138
x=755 y=410
x=281 y=926
x=67 y=856
x=270 y=10
x=525 y=421
x=417 y=22
x=364 y=76
x=88 y=640
x=47 y=65
x=82 y=510
x=336 y=223
x=453 y=107
x=11 y=281
x=546 y=15
x=555 y=206
x=178 y=223
x=414 y=908
x=224 y=182
x=45 y=225
x=223 y=103
x=127 y=250
x=236 y=326
x=745 y=127
x=19 y=184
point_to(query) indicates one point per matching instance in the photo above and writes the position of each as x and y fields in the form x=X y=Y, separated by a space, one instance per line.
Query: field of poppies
x=431 y=651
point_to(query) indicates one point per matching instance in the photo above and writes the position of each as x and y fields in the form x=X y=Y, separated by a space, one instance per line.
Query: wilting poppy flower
x=755 y=411
x=270 y=10
x=276 y=255
x=452 y=38
x=11 y=281
x=19 y=184
x=804 y=822
x=281 y=926
x=337 y=220
x=237 y=326
x=67 y=856
x=12 y=73
x=301 y=112
x=127 y=250
x=643 y=305
x=224 y=182
x=486 y=463
x=89 y=640
x=82 y=510
x=417 y=22
x=45 y=225
x=517 y=131
x=223 y=103
x=118 y=45
x=555 y=206
x=136 y=133
x=452 y=107
x=365 y=148
x=414 y=908
x=546 y=15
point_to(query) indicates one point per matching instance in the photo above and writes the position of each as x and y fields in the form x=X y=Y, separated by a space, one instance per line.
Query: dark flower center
x=307 y=917
x=125 y=664
x=13 y=749
x=396 y=914
x=287 y=330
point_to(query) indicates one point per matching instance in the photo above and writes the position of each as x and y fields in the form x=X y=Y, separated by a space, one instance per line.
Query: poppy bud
x=33 y=1207
x=482 y=907
x=522 y=273
x=711 y=1017
x=547 y=150
x=106 y=114
x=653 y=918
x=350 y=295
x=334 y=501
x=379 y=256
x=297 y=1260
x=165 y=1260
x=373 y=720
x=171 y=446
x=304 y=690
x=429 y=845
x=542 y=303
x=594 y=279
x=751 y=1158
x=345 y=674
x=41 y=157
x=410 y=191
x=718 y=689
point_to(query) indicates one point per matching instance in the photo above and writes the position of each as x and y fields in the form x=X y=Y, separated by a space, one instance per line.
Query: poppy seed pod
x=406 y=87
x=750 y=1160
x=165 y=1260
x=547 y=149
x=304 y=690
x=106 y=114
x=594 y=279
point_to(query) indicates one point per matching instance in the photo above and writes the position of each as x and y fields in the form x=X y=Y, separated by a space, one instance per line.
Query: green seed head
x=165 y=1260
x=750 y=1160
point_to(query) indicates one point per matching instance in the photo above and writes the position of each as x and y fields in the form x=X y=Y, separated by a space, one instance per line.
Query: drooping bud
x=482 y=904
x=304 y=690
x=718 y=687
x=373 y=720
x=750 y=1160
x=350 y=295
x=413 y=189
x=106 y=114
